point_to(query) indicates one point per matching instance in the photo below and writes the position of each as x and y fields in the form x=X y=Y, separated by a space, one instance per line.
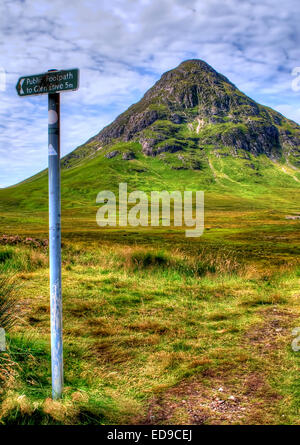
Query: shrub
x=22 y=259
x=5 y=254
x=203 y=263
x=144 y=259
x=7 y=319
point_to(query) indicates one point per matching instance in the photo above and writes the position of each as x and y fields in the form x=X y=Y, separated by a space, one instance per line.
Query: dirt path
x=231 y=396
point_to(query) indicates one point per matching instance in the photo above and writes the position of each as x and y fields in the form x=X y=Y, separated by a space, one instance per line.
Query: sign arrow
x=21 y=86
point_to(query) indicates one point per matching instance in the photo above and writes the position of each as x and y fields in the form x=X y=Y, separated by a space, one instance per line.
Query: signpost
x=52 y=83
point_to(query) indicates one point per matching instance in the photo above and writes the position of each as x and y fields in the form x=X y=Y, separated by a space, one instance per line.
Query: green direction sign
x=50 y=82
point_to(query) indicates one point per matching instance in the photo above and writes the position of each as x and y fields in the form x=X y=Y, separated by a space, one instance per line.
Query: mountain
x=194 y=107
x=192 y=130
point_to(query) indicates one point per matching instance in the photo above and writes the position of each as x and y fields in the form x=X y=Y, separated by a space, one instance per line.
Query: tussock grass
x=8 y=299
x=8 y=310
x=25 y=395
x=20 y=259
x=201 y=264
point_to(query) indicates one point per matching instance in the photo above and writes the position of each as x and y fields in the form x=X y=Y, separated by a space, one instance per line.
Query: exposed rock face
x=128 y=156
x=193 y=106
x=148 y=145
x=258 y=139
x=111 y=154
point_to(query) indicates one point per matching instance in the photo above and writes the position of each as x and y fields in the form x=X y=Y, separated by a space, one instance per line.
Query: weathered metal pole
x=48 y=83
x=55 y=244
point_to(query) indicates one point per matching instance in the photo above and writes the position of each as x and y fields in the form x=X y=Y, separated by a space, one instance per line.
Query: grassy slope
x=252 y=181
x=244 y=205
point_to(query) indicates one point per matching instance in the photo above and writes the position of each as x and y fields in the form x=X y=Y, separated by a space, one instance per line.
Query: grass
x=22 y=259
x=142 y=323
x=256 y=182
x=7 y=298
x=156 y=323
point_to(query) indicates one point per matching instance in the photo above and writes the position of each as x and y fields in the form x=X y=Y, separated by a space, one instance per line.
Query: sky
x=121 y=48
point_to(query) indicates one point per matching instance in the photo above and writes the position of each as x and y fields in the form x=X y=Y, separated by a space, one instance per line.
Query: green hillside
x=229 y=183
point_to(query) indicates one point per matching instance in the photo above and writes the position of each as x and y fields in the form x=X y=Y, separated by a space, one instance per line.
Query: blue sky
x=121 y=48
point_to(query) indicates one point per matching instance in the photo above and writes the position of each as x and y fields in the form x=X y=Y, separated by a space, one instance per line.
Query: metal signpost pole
x=52 y=83
x=55 y=244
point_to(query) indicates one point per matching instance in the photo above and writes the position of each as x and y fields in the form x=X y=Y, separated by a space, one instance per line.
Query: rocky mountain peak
x=193 y=107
